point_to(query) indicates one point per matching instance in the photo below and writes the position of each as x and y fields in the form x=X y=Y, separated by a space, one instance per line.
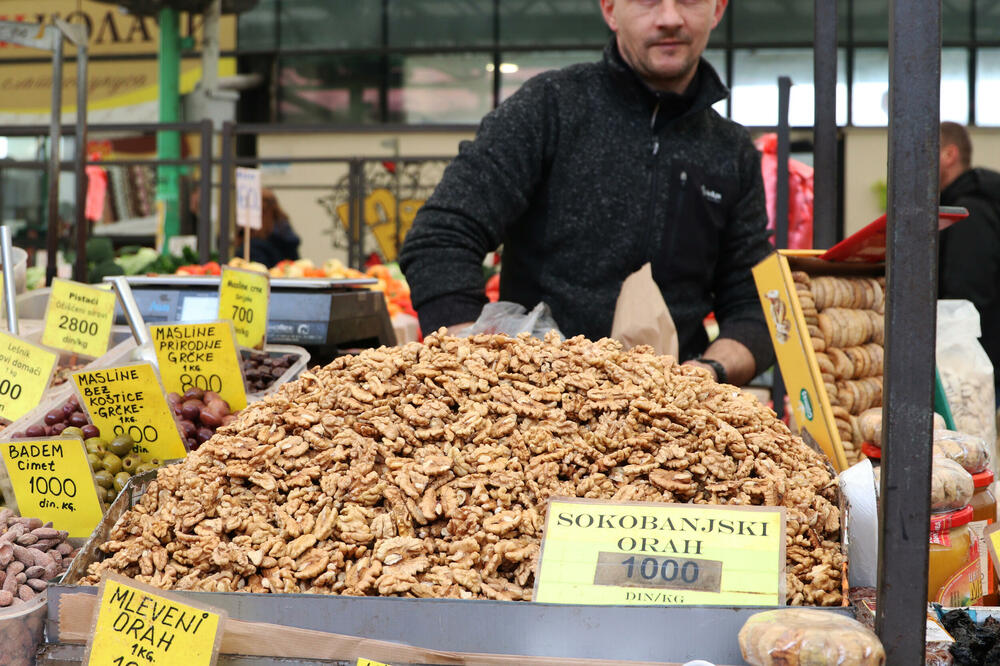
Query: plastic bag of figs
x=966 y=373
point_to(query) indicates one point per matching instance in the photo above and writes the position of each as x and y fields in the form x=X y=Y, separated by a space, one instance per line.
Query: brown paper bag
x=642 y=317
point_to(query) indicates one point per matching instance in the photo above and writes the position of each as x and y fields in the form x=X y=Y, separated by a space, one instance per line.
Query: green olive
x=95 y=445
x=130 y=462
x=73 y=431
x=104 y=478
x=110 y=494
x=95 y=462
x=121 y=478
x=121 y=445
x=112 y=463
x=144 y=467
x=156 y=462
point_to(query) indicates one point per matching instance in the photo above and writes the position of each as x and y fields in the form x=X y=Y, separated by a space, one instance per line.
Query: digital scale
x=327 y=316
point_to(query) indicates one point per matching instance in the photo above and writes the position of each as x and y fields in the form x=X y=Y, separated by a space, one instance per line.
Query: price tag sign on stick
x=79 y=318
x=249 y=211
x=200 y=356
x=130 y=400
x=992 y=536
x=25 y=371
x=52 y=481
x=138 y=624
x=658 y=554
x=243 y=300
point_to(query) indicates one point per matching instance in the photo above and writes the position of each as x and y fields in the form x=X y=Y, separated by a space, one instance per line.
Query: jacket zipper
x=645 y=251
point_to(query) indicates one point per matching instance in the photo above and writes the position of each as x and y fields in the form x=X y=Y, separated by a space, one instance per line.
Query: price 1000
x=53 y=486
x=672 y=573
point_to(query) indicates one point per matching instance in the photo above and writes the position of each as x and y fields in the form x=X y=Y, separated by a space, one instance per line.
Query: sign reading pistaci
x=78 y=318
x=658 y=554
x=137 y=624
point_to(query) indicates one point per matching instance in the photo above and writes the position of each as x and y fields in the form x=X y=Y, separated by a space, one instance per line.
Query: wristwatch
x=721 y=375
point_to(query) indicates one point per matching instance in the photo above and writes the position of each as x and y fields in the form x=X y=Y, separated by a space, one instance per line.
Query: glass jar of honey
x=984 y=514
x=951 y=549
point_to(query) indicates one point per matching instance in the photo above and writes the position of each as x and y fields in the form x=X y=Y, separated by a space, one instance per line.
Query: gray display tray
x=639 y=633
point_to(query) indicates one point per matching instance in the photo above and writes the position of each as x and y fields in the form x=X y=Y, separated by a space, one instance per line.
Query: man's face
x=663 y=39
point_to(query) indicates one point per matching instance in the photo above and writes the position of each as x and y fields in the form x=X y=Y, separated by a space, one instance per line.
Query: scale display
x=326 y=316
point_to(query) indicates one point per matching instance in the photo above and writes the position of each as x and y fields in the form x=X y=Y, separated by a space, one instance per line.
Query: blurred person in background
x=276 y=240
x=587 y=173
x=969 y=251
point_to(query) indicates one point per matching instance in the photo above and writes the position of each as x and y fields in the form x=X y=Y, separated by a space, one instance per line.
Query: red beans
x=203 y=435
x=54 y=417
x=34 y=431
x=77 y=419
x=90 y=430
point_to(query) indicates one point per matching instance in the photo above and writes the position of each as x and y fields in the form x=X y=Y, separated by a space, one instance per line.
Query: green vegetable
x=34 y=277
x=100 y=250
x=138 y=263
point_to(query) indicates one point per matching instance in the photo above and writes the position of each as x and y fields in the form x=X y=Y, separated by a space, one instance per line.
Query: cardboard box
x=860 y=255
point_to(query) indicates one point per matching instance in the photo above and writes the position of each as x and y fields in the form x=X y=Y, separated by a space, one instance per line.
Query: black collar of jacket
x=704 y=90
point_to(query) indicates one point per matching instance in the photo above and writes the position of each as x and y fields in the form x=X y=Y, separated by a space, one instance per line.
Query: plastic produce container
x=21 y=631
x=293 y=371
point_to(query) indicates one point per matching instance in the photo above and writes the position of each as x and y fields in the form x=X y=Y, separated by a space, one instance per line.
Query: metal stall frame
x=825 y=195
x=228 y=161
x=781 y=215
x=204 y=161
x=910 y=323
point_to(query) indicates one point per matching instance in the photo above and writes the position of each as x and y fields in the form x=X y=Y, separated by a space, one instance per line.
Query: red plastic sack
x=800 y=193
x=97 y=190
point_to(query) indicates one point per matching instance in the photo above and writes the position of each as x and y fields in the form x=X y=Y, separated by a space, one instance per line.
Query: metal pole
x=825 y=124
x=168 y=143
x=80 y=161
x=55 y=138
x=204 y=229
x=7 y=257
x=781 y=214
x=225 y=190
x=911 y=246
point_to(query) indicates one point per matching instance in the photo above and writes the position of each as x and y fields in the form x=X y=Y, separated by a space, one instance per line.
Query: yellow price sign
x=25 y=371
x=658 y=554
x=200 y=356
x=78 y=318
x=52 y=481
x=138 y=624
x=243 y=299
x=368 y=662
x=129 y=400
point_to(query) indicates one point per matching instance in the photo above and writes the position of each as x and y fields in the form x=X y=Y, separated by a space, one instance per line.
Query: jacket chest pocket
x=693 y=225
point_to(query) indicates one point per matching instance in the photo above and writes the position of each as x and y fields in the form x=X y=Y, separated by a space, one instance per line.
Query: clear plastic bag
x=870 y=425
x=512 y=319
x=969 y=451
x=799 y=636
x=966 y=372
x=951 y=485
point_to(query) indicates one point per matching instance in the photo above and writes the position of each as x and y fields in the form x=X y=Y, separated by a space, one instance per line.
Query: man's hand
x=734 y=357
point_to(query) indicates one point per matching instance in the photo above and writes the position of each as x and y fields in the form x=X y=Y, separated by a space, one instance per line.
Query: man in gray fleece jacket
x=589 y=172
